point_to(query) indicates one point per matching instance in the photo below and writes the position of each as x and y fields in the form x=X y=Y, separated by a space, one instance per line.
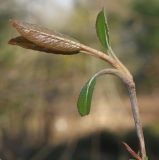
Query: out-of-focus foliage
x=146 y=15
x=36 y=88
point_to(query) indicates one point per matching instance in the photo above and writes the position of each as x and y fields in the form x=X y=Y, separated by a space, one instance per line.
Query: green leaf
x=102 y=29
x=85 y=97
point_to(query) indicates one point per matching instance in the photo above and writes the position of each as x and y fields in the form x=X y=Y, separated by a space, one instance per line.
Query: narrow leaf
x=102 y=29
x=85 y=97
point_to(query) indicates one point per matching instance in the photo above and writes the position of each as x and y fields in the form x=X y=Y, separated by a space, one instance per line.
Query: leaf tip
x=13 y=22
x=80 y=111
x=82 y=115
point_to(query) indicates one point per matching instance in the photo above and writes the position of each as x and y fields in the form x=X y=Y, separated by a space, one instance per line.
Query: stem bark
x=135 y=112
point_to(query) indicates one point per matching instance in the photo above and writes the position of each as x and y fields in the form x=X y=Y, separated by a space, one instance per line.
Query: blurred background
x=38 y=91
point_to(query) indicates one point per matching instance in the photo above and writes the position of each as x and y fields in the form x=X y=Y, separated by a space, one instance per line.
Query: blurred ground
x=38 y=92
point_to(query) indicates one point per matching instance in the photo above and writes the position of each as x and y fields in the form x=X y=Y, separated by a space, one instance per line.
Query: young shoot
x=41 y=39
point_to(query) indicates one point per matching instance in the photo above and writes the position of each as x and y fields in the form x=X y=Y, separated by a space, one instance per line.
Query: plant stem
x=116 y=63
x=135 y=111
x=134 y=154
x=98 y=54
x=122 y=72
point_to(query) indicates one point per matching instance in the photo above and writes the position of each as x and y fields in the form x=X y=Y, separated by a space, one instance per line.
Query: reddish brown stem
x=133 y=153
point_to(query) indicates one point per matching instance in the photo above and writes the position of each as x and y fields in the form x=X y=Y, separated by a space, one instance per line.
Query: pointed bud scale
x=42 y=39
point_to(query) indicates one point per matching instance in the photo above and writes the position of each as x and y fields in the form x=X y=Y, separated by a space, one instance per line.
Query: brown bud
x=42 y=39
